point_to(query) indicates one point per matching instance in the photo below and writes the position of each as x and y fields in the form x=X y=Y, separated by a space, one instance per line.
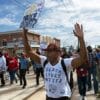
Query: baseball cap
x=52 y=47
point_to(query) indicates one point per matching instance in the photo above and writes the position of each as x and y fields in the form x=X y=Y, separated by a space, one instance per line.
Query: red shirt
x=82 y=71
x=13 y=64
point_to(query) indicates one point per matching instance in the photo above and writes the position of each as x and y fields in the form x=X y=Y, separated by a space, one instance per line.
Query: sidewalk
x=15 y=91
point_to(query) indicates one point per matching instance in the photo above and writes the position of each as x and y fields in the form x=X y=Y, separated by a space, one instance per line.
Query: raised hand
x=78 y=30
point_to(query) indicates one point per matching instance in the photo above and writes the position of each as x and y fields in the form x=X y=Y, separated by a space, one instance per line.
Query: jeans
x=38 y=72
x=2 y=78
x=92 y=71
x=12 y=76
x=23 y=77
x=82 y=82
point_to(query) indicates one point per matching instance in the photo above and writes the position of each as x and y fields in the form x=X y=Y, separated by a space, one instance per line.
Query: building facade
x=12 y=41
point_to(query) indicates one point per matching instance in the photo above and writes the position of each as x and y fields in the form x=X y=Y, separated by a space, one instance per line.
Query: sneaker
x=81 y=97
x=85 y=98
x=24 y=87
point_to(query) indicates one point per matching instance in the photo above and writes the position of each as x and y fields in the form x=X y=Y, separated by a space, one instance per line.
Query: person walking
x=39 y=70
x=22 y=69
x=57 y=88
x=13 y=66
x=82 y=73
x=92 y=70
x=3 y=68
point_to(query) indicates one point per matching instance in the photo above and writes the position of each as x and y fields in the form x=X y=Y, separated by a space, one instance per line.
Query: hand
x=78 y=31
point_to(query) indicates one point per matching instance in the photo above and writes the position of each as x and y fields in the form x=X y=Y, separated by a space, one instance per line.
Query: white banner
x=31 y=15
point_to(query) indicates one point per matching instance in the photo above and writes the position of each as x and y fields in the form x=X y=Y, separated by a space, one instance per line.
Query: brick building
x=12 y=41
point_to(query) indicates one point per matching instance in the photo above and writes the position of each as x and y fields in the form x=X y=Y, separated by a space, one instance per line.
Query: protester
x=55 y=80
x=23 y=69
x=13 y=66
x=38 y=70
x=92 y=70
x=82 y=73
x=3 y=68
x=64 y=53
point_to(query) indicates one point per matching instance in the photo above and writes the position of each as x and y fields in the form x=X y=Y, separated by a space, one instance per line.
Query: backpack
x=70 y=82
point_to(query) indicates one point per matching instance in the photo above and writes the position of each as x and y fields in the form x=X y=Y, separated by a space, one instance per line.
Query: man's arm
x=83 y=58
x=33 y=55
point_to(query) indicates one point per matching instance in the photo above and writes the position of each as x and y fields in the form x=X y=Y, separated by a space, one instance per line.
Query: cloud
x=58 y=18
x=87 y=3
x=7 y=21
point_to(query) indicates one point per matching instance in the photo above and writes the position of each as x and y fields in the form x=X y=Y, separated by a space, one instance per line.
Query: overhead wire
x=19 y=4
x=70 y=2
x=65 y=4
x=28 y=1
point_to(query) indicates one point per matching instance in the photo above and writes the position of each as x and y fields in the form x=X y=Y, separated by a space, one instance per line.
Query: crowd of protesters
x=85 y=61
x=14 y=66
x=88 y=73
x=88 y=76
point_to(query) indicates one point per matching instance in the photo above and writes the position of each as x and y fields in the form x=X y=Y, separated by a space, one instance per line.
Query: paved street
x=15 y=92
x=40 y=95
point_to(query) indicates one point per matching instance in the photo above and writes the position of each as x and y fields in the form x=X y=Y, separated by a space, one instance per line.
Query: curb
x=27 y=97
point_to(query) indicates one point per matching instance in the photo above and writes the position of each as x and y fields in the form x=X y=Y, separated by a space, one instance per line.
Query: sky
x=56 y=19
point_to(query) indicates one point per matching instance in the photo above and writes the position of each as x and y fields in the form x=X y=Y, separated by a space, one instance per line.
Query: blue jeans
x=12 y=76
x=92 y=71
x=82 y=82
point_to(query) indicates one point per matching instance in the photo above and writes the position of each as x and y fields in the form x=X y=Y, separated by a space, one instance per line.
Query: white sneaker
x=81 y=97
x=85 y=98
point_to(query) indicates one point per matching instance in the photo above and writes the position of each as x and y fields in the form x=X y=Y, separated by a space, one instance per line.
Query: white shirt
x=3 y=66
x=55 y=80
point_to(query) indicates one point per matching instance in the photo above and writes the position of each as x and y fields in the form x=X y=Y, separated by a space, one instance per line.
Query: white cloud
x=6 y=21
x=87 y=3
x=59 y=16
x=66 y=14
x=50 y=3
